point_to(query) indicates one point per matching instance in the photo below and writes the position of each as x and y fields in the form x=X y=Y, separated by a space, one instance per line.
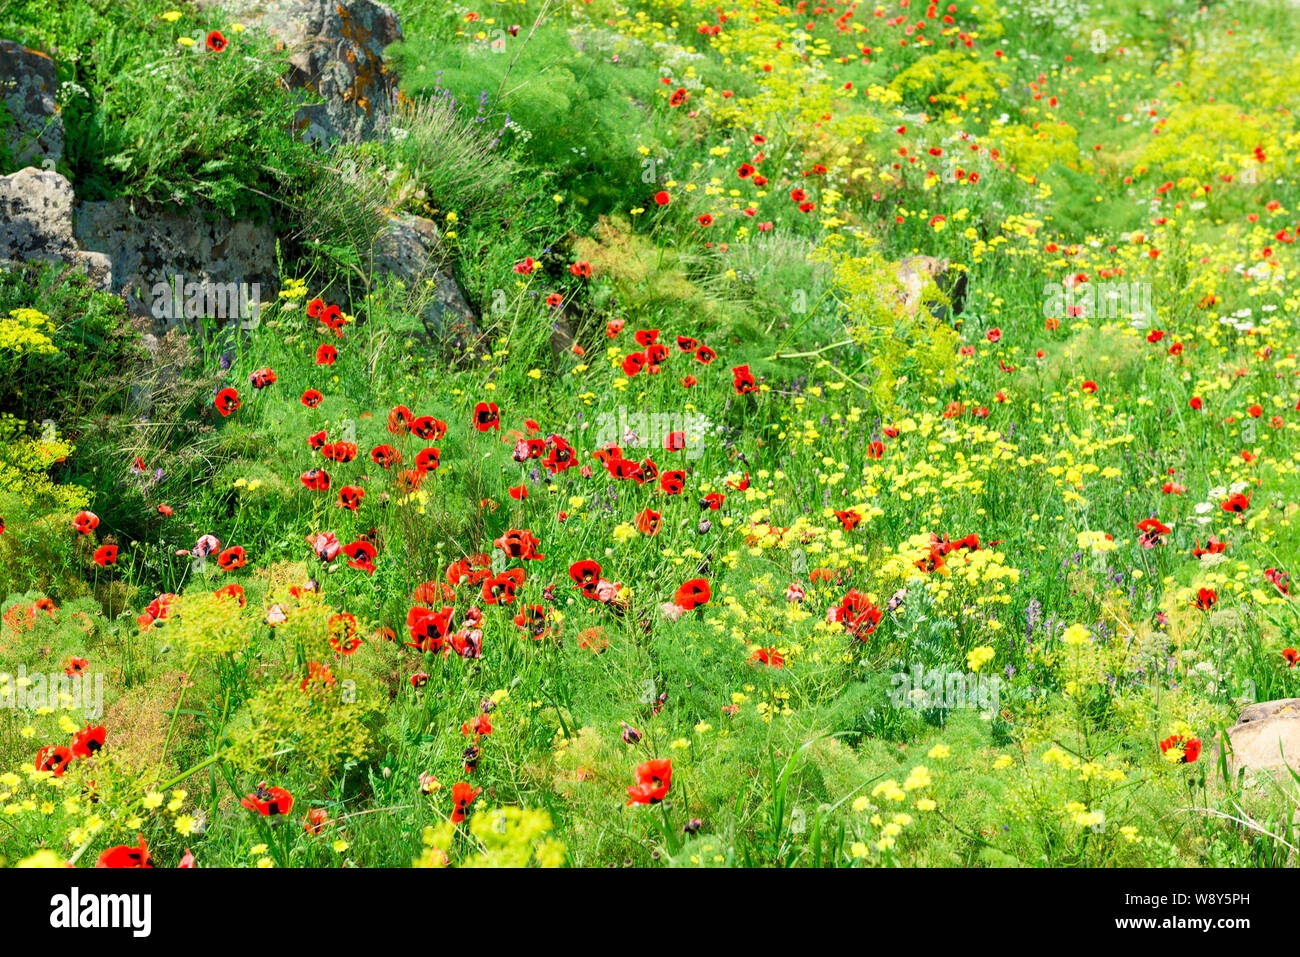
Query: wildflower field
x=863 y=435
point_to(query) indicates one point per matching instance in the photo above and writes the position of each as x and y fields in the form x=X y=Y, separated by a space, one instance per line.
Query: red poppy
x=311 y=398
x=743 y=380
x=470 y=571
x=216 y=42
x=704 y=354
x=713 y=501
x=326 y=354
x=427 y=459
x=519 y=543
x=385 y=456
x=652 y=782
x=75 y=666
x=463 y=796
x=231 y=558
x=662 y=198
x=487 y=416
x=54 y=759
x=318 y=480
x=85 y=522
x=342 y=452
x=226 y=401
x=519 y=493
x=318 y=440
x=124 y=855
x=87 y=741
x=673 y=482
x=427 y=427
x=268 y=801
x=535 y=622
x=350 y=497
x=501 y=589
x=649 y=521
x=633 y=363
x=1235 y=502
x=768 y=656
x=106 y=555
x=1205 y=598
x=399 y=420
x=1291 y=657
x=344 y=633
x=262 y=378
x=233 y=590
x=361 y=555
x=693 y=594
x=849 y=518
x=428 y=628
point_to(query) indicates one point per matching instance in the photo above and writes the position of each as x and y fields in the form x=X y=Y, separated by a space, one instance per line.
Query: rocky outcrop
x=28 y=92
x=410 y=249
x=151 y=247
x=36 y=208
x=336 y=50
x=1266 y=737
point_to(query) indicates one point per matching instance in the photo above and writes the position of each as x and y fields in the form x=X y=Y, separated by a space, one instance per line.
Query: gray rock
x=410 y=249
x=1266 y=737
x=28 y=91
x=150 y=247
x=335 y=50
x=36 y=224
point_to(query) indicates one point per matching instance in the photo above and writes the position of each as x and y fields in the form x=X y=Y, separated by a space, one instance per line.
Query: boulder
x=336 y=50
x=152 y=247
x=28 y=92
x=1266 y=737
x=409 y=248
x=36 y=209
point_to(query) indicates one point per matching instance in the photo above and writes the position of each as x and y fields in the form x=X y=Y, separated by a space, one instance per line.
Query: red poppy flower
x=662 y=198
x=534 y=621
x=233 y=590
x=216 y=42
x=88 y=741
x=75 y=666
x=501 y=589
x=231 y=558
x=849 y=518
x=427 y=459
x=648 y=522
x=1089 y=387
x=652 y=782
x=585 y=572
x=311 y=398
x=1235 y=503
x=427 y=427
x=385 y=456
x=487 y=416
x=399 y=420
x=342 y=452
x=350 y=497
x=344 y=633
x=672 y=482
x=471 y=570
x=713 y=501
x=693 y=594
x=326 y=354
x=1205 y=598
x=581 y=269
x=633 y=363
x=106 y=555
x=124 y=855
x=743 y=380
x=742 y=485
x=704 y=354
x=361 y=555
x=519 y=493
x=318 y=480
x=428 y=628
x=54 y=759
x=226 y=401
x=268 y=801
x=316 y=307
x=463 y=796
x=1192 y=750
x=262 y=378
x=1291 y=657
x=519 y=543
x=768 y=656
x=613 y=327
x=85 y=522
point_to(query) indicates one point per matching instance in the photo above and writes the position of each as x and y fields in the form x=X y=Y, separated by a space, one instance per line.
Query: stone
x=409 y=248
x=151 y=246
x=1266 y=737
x=336 y=50
x=36 y=210
x=29 y=93
x=912 y=274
